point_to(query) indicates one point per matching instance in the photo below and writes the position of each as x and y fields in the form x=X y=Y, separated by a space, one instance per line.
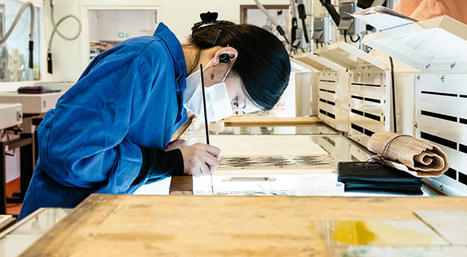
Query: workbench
x=279 y=178
x=130 y=225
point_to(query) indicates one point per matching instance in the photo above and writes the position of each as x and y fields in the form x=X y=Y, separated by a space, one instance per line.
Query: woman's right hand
x=200 y=159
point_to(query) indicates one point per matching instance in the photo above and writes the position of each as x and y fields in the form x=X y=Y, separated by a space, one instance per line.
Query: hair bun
x=207 y=19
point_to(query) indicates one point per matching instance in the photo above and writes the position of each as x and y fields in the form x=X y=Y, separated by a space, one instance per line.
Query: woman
x=110 y=132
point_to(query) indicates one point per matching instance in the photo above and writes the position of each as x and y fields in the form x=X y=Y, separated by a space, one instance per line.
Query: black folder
x=372 y=177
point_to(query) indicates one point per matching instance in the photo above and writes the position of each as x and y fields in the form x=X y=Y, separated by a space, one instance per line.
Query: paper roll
x=419 y=155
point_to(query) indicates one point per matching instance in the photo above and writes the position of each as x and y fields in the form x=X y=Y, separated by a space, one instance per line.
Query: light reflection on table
x=18 y=237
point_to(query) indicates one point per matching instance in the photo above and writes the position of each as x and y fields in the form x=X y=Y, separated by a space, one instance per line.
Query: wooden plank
x=250 y=120
x=129 y=225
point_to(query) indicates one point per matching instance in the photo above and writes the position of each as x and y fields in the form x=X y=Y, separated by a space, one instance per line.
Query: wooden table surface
x=137 y=225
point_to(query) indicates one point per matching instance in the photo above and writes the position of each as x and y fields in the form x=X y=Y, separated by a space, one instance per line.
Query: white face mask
x=218 y=105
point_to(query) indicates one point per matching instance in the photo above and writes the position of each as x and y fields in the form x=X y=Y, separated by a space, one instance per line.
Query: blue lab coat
x=128 y=98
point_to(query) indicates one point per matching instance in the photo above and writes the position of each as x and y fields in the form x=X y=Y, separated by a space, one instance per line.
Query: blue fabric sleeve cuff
x=159 y=164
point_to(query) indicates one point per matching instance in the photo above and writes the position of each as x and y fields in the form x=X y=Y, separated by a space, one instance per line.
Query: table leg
x=2 y=178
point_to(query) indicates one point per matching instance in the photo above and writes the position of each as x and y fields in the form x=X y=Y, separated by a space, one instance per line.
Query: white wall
x=257 y=17
x=106 y=25
x=93 y=18
x=70 y=58
x=66 y=54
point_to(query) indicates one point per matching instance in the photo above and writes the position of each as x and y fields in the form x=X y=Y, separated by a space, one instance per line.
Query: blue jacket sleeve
x=84 y=139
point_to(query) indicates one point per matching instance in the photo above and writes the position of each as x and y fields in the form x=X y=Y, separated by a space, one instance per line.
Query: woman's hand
x=200 y=159
x=176 y=144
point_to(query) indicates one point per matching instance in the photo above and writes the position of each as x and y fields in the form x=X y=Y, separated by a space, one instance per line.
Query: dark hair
x=263 y=62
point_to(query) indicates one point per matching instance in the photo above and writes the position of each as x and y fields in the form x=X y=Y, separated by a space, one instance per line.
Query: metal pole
x=312 y=24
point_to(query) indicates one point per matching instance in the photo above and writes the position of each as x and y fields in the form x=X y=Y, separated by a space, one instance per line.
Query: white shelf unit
x=442 y=119
x=438 y=48
x=32 y=103
x=11 y=115
x=369 y=90
x=331 y=90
